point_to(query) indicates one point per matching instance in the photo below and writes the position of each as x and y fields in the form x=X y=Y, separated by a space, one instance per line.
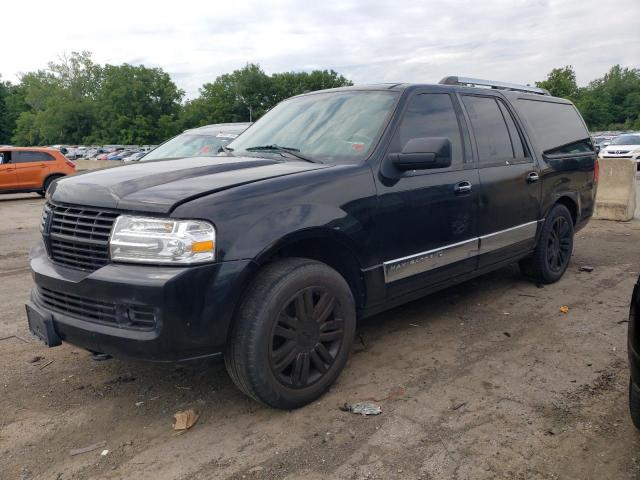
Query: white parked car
x=626 y=145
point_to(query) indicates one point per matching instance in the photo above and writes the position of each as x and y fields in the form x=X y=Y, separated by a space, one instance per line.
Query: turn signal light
x=203 y=246
x=596 y=171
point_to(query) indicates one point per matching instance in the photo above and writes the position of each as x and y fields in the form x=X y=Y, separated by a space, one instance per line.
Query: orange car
x=24 y=169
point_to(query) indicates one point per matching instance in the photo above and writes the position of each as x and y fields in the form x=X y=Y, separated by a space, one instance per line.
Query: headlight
x=162 y=241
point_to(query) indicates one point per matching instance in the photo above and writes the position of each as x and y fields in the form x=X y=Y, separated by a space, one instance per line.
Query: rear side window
x=26 y=157
x=490 y=129
x=431 y=115
x=558 y=127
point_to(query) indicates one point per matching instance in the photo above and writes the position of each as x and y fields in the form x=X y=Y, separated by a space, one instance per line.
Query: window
x=582 y=146
x=554 y=124
x=27 y=157
x=431 y=115
x=491 y=132
x=4 y=157
x=332 y=126
x=628 y=139
x=516 y=139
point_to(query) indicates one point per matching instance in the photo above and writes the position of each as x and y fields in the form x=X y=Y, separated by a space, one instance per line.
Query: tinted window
x=583 y=146
x=490 y=129
x=554 y=124
x=516 y=139
x=431 y=115
x=26 y=157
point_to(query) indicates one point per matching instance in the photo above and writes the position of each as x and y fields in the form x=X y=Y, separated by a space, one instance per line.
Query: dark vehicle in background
x=633 y=350
x=203 y=141
x=334 y=206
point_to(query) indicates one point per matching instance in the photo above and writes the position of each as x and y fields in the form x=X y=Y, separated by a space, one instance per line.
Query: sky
x=370 y=41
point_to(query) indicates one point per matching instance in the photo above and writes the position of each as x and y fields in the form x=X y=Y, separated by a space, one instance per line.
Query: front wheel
x=292 y=333
x=551 y=257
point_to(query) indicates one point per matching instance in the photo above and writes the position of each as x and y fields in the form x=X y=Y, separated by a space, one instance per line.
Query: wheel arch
x=332 y=248
x=52 y=176
x=571 y=204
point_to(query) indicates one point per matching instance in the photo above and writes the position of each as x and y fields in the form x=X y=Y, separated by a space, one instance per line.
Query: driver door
x=427 y=224
x=8 y=176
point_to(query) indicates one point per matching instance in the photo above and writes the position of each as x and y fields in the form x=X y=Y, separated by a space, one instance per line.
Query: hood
x=161 y=185
x=621 y=150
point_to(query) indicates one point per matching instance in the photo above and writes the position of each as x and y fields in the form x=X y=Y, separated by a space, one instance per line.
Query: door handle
x=533 y=177
x=462 y=188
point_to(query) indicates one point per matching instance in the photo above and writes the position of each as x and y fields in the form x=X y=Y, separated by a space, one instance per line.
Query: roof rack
x=493 y=84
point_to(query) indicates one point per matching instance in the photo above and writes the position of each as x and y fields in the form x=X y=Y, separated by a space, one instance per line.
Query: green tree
x=613 y=101
x=561 y=82
x=136 y=105
x=248 y=93
x=6 y=126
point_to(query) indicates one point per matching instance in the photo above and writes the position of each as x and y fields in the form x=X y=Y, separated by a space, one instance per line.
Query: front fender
x=298 y=222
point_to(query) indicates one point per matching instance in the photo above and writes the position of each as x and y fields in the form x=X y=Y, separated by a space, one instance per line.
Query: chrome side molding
x=422 y=262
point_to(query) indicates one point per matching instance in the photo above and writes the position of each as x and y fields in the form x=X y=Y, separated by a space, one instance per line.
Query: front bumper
x=191 y=306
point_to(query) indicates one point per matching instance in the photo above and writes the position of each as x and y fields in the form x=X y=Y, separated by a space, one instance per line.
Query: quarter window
x=431 y=115
x=554 y=124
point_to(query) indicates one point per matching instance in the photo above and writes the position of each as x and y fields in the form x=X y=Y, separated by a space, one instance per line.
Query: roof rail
x=493 y=84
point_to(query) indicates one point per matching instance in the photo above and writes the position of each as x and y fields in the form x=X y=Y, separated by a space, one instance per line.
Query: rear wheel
x=292 y=334
x=555 y=245
x=634 y=404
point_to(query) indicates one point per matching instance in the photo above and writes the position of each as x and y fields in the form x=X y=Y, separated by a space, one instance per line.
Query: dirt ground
x=484 y=380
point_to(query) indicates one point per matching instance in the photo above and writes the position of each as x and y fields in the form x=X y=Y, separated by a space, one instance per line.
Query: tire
x=284 y=350
x=47 y=184
x=634 y=404
x=551 y=257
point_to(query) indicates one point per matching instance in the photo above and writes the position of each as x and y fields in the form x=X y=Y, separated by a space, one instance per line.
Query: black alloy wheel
x=292 y=333
x=554 y=247
x=559 y=244
x=306 y=337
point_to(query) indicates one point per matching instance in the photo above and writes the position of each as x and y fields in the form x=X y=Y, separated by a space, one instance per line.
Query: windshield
x=322 y=127
x=626 y=140
x=190 y=145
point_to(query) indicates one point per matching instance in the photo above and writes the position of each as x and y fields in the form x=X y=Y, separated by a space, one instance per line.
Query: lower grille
x=137 y=317
x=79 y=255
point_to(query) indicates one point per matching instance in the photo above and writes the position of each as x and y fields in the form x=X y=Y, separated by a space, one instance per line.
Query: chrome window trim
x=422 y=262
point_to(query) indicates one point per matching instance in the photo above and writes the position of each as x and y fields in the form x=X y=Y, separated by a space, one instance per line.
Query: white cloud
x=367 y=41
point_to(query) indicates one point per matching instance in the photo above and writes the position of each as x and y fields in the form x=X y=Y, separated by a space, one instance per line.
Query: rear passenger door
x=509 y=203
x=31 y=167
x=8 y=178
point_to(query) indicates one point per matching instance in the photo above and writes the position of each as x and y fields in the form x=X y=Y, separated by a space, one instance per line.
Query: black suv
x=334 y=206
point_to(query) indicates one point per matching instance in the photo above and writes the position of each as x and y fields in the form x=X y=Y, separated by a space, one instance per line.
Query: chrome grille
x=78 y=237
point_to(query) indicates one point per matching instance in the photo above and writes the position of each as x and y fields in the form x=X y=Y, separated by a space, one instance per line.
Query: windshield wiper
x=225 y=149
x=280 y=149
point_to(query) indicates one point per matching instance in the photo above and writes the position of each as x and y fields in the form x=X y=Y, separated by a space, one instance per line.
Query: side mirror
x=423 y=153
